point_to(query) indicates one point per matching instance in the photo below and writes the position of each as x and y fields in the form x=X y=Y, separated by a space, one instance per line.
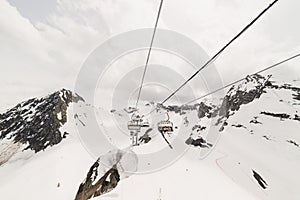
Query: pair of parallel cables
x=210 y=61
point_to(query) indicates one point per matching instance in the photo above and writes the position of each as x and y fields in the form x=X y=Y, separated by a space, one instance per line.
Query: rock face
x=91 y=187
x=35 y=123
x=105 y=174
x=252 y=88
x=206 y=110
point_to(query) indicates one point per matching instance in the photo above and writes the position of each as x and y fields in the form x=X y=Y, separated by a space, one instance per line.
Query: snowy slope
x=256 y=156
x=47 y=174
x=263 y=136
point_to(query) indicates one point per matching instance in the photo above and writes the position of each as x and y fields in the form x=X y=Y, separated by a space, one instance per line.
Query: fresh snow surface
x=264 y=146
x=227 y=173
x=57 y=172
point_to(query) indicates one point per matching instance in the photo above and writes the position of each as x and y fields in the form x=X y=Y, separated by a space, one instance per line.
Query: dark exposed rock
x=36 y=122
x=282 y=116
x=239 y=126
x=279 y=115
x=285 y=86
x=200 y=142
x=296 y=90
x=91 y=187
x=293 y=142
x=236 y=97
x=266 y=137
x=65 y=135
x=296 y=96
x=198 y=128
x=178 y=109
x=260 y=180
x=222 y=128
x=205 y=110
x=297 y=117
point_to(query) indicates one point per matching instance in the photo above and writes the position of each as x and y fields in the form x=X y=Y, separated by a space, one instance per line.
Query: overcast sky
x=44 y=43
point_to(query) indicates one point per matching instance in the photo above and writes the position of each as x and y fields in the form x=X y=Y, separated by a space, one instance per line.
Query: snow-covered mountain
x=35 y=124
x=256 y=155
x=258 y=123
x=261 y=138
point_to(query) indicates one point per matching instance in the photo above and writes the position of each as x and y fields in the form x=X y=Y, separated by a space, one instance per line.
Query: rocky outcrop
x=208 y=111
x=281 y=116
x=200 y=142
x=251 y=89
x=293 y=142
x=35 y=123
x=262 y=183
x=93 y=187
x=178 y=109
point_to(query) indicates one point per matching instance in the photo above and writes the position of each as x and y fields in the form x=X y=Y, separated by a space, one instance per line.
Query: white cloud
x=213 y=23
x=42 y=56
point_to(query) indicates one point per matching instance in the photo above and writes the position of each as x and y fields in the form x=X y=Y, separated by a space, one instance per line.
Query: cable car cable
x=235 y=82
x=221 y=50
x=149 y=53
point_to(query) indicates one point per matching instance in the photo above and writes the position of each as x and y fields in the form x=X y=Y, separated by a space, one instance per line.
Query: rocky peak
x=35 y=123
x=251 y=88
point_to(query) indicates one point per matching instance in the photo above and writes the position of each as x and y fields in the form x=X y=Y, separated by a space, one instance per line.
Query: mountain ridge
x=35 y=123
